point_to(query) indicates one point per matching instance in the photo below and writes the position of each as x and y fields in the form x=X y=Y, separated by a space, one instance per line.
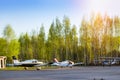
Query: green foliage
x=9 y=46
x=98 y=37
x=3 y=44
x=25 y=47
x=13 y=48
x=8 y=33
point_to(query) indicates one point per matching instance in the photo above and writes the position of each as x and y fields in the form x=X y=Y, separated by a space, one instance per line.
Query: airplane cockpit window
x=34 y=61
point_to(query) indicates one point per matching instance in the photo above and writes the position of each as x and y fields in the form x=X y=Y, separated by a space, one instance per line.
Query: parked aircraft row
x=66 y=63
x=37 y=64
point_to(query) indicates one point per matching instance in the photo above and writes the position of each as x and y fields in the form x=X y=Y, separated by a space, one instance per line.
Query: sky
x=27 y=15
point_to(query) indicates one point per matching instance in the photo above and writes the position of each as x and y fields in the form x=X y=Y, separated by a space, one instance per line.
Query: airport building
x=2 y=61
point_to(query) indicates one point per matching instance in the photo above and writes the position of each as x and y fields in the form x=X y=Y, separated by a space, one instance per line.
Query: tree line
x=99 y=36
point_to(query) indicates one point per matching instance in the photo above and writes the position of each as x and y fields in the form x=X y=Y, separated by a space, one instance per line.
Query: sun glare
x=99 y=6
x=110 y=7
x=102 y=6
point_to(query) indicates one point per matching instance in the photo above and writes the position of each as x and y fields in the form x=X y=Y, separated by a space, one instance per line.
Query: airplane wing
x=44 y=64
x=78 y=64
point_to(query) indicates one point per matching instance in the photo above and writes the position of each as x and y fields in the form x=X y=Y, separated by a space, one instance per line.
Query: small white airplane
x=110 y=62
x=28 y=63
x=66 y=63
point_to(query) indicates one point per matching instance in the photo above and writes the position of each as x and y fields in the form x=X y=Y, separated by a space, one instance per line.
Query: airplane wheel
x=61 y=66
x=38 y=68
x=70 y=66
x=26 y=68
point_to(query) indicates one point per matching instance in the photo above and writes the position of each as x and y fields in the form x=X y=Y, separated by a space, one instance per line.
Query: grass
x=29 y=68
x=13 y=68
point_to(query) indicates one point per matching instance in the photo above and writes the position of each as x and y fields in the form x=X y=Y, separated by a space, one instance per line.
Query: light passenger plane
x=28 y=63
x=66 y=63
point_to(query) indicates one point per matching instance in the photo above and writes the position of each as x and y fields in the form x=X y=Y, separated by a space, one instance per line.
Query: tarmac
x=75 y=73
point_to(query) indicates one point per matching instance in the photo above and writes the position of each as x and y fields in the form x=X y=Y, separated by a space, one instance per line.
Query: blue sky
x=27 y=15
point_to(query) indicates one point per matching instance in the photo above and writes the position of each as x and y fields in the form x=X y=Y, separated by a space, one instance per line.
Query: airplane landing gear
x=38 y=68
x=26 y=68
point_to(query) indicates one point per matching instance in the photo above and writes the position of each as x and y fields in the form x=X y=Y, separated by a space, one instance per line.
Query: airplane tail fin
x=15 y=60
x=55 y=60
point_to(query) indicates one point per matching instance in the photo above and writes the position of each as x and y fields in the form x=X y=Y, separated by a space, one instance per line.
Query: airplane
x=110 y=61
x=113 y=62
x=66 y=63
x=28 y=63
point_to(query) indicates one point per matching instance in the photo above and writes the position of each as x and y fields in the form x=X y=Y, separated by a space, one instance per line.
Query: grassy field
x=30 y=68
x=13 y=68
